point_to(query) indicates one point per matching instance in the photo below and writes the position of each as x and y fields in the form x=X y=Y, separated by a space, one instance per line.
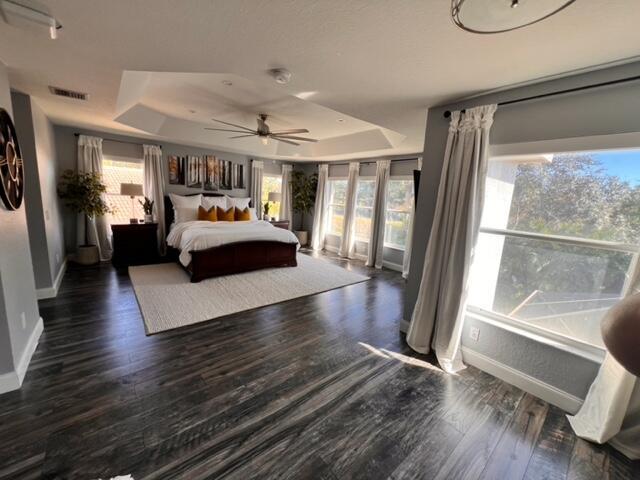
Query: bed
x=208 y=250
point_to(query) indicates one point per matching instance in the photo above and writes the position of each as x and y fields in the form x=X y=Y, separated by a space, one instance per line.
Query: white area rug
x=169 y=300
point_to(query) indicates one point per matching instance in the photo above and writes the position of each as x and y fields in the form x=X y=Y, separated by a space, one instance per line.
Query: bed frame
x=233 y=257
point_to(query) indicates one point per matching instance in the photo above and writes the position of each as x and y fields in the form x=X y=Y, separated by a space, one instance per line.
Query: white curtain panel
x=376 y=237
x=257 y=169
x=286 y=211
x=438 y=314
x=611 y=410
x=406 y=258
x=347 y=242
x=90 y=160
x=320 y=209
x=154 y=182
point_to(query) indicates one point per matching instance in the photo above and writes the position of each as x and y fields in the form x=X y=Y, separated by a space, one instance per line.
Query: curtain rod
x=119 y=141
x=408 y=159
x=447 y=113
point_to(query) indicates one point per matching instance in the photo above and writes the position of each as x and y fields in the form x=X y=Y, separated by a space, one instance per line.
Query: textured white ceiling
x=382 y=62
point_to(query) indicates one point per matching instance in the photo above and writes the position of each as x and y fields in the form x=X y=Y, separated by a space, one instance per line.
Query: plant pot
x=87 y=255
x=148 y=218
x=303 y=237
x=266 y=218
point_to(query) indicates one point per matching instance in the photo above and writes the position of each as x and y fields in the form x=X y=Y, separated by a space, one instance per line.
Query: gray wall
x=17 y=286
x=66 y=147
x=604 y=111
x=44 y=215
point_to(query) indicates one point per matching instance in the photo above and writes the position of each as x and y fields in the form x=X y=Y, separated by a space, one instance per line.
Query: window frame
x=368 y=178
x=260 y=208
x=329 y=205
x=549 y=337
x=136 y=206
x=385 y=244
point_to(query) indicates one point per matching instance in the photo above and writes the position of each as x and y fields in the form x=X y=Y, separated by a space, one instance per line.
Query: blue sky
x=623 y=163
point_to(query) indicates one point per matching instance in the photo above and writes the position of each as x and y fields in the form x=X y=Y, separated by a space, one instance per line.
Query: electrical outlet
x=23 y=319
x=474 y=333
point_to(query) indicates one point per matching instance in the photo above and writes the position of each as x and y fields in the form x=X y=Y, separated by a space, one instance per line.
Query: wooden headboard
x=168 y=206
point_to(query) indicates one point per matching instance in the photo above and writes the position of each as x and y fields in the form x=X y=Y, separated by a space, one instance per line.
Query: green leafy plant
x=147 y=206
x=82 y=193
x=266 y=208
x=303 y=193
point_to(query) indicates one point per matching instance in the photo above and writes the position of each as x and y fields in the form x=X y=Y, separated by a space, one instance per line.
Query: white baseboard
x=404 y=325
x=13 y=380
x=564 y=400
x=52 y=292
x=392 y=266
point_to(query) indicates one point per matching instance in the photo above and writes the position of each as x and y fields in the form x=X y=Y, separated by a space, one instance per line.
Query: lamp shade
x=131 y=189
x=621 y=333
x=275 y=197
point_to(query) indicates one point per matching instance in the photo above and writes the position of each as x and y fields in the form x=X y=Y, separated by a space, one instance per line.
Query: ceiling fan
x=264 y=132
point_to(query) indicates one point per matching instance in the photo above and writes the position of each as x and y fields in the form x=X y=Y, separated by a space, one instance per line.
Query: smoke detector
x=280 y=75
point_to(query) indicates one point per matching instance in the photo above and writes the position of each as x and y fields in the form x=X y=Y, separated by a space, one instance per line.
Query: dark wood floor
x=319 y=387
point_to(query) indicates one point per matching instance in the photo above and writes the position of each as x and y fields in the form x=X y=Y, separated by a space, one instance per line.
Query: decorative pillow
x=243 y=215
x=185 y=202
x=225 y=216
x=209 y=202
x=208 y=215
x=185 y=214
x=240 y=203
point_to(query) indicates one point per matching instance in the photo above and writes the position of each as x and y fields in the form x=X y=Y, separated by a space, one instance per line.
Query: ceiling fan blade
x=233 y=125
x=293 y=130
x=228 y=130
x=291 y=137
x=243 y=136
x=285 y=141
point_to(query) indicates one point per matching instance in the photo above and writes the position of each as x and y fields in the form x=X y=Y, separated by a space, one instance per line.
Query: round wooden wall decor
x=11 y=164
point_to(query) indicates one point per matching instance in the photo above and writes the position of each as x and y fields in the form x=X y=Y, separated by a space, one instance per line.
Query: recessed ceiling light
x=228 y=83
x=10 y=9
x=340 y=120
x=192 y=111
x=280 y=75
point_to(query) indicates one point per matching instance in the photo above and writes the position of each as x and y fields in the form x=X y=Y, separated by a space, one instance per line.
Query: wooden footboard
x=240 y=257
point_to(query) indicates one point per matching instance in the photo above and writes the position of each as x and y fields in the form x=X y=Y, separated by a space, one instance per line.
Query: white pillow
x=191 y=202
x=222 y=202
x=185 y=214
x=240 y=203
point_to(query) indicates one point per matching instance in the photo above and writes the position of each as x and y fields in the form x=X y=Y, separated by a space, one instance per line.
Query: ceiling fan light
x=497 y=16
x=264 y=140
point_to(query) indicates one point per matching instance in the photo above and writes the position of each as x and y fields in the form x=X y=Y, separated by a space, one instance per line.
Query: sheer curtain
x=257 y=169
x=406 y=259
x=286 y=212
x=320 y=209
x=438 y=314
x=347 y=242
x=154 y=181
x=376 y=237
x=90 y=160
x=611 y=411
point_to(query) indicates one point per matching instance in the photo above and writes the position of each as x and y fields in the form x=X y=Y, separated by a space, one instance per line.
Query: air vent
x=61 y=92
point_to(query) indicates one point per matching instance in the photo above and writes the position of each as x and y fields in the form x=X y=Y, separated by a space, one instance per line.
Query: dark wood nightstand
x=280 y=223
x=134 y=244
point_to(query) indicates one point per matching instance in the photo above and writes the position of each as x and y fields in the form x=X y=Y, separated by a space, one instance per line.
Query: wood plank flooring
x=321 y=387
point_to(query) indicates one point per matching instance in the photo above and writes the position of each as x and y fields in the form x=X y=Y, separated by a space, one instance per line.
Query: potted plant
x=303 y=198
x=265 y=215
x=82 y=193
x=147 y=206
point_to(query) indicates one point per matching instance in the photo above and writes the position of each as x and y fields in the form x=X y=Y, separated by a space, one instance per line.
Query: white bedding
x=200 y=235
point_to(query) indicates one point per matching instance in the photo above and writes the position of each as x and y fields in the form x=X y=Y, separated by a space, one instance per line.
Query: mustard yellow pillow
x=209 y=215
x=243 y=215
x=226 y=216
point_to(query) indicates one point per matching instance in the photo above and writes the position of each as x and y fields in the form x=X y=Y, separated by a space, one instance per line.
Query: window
x=271 y=183
x=364 y=209
x=559 y=236
x=337 y=198
x=115 y=172
x=398 y=215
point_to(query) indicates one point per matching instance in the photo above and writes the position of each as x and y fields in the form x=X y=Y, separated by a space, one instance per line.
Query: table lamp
x=275 y=197
x=621 y=333
x=132 y=190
